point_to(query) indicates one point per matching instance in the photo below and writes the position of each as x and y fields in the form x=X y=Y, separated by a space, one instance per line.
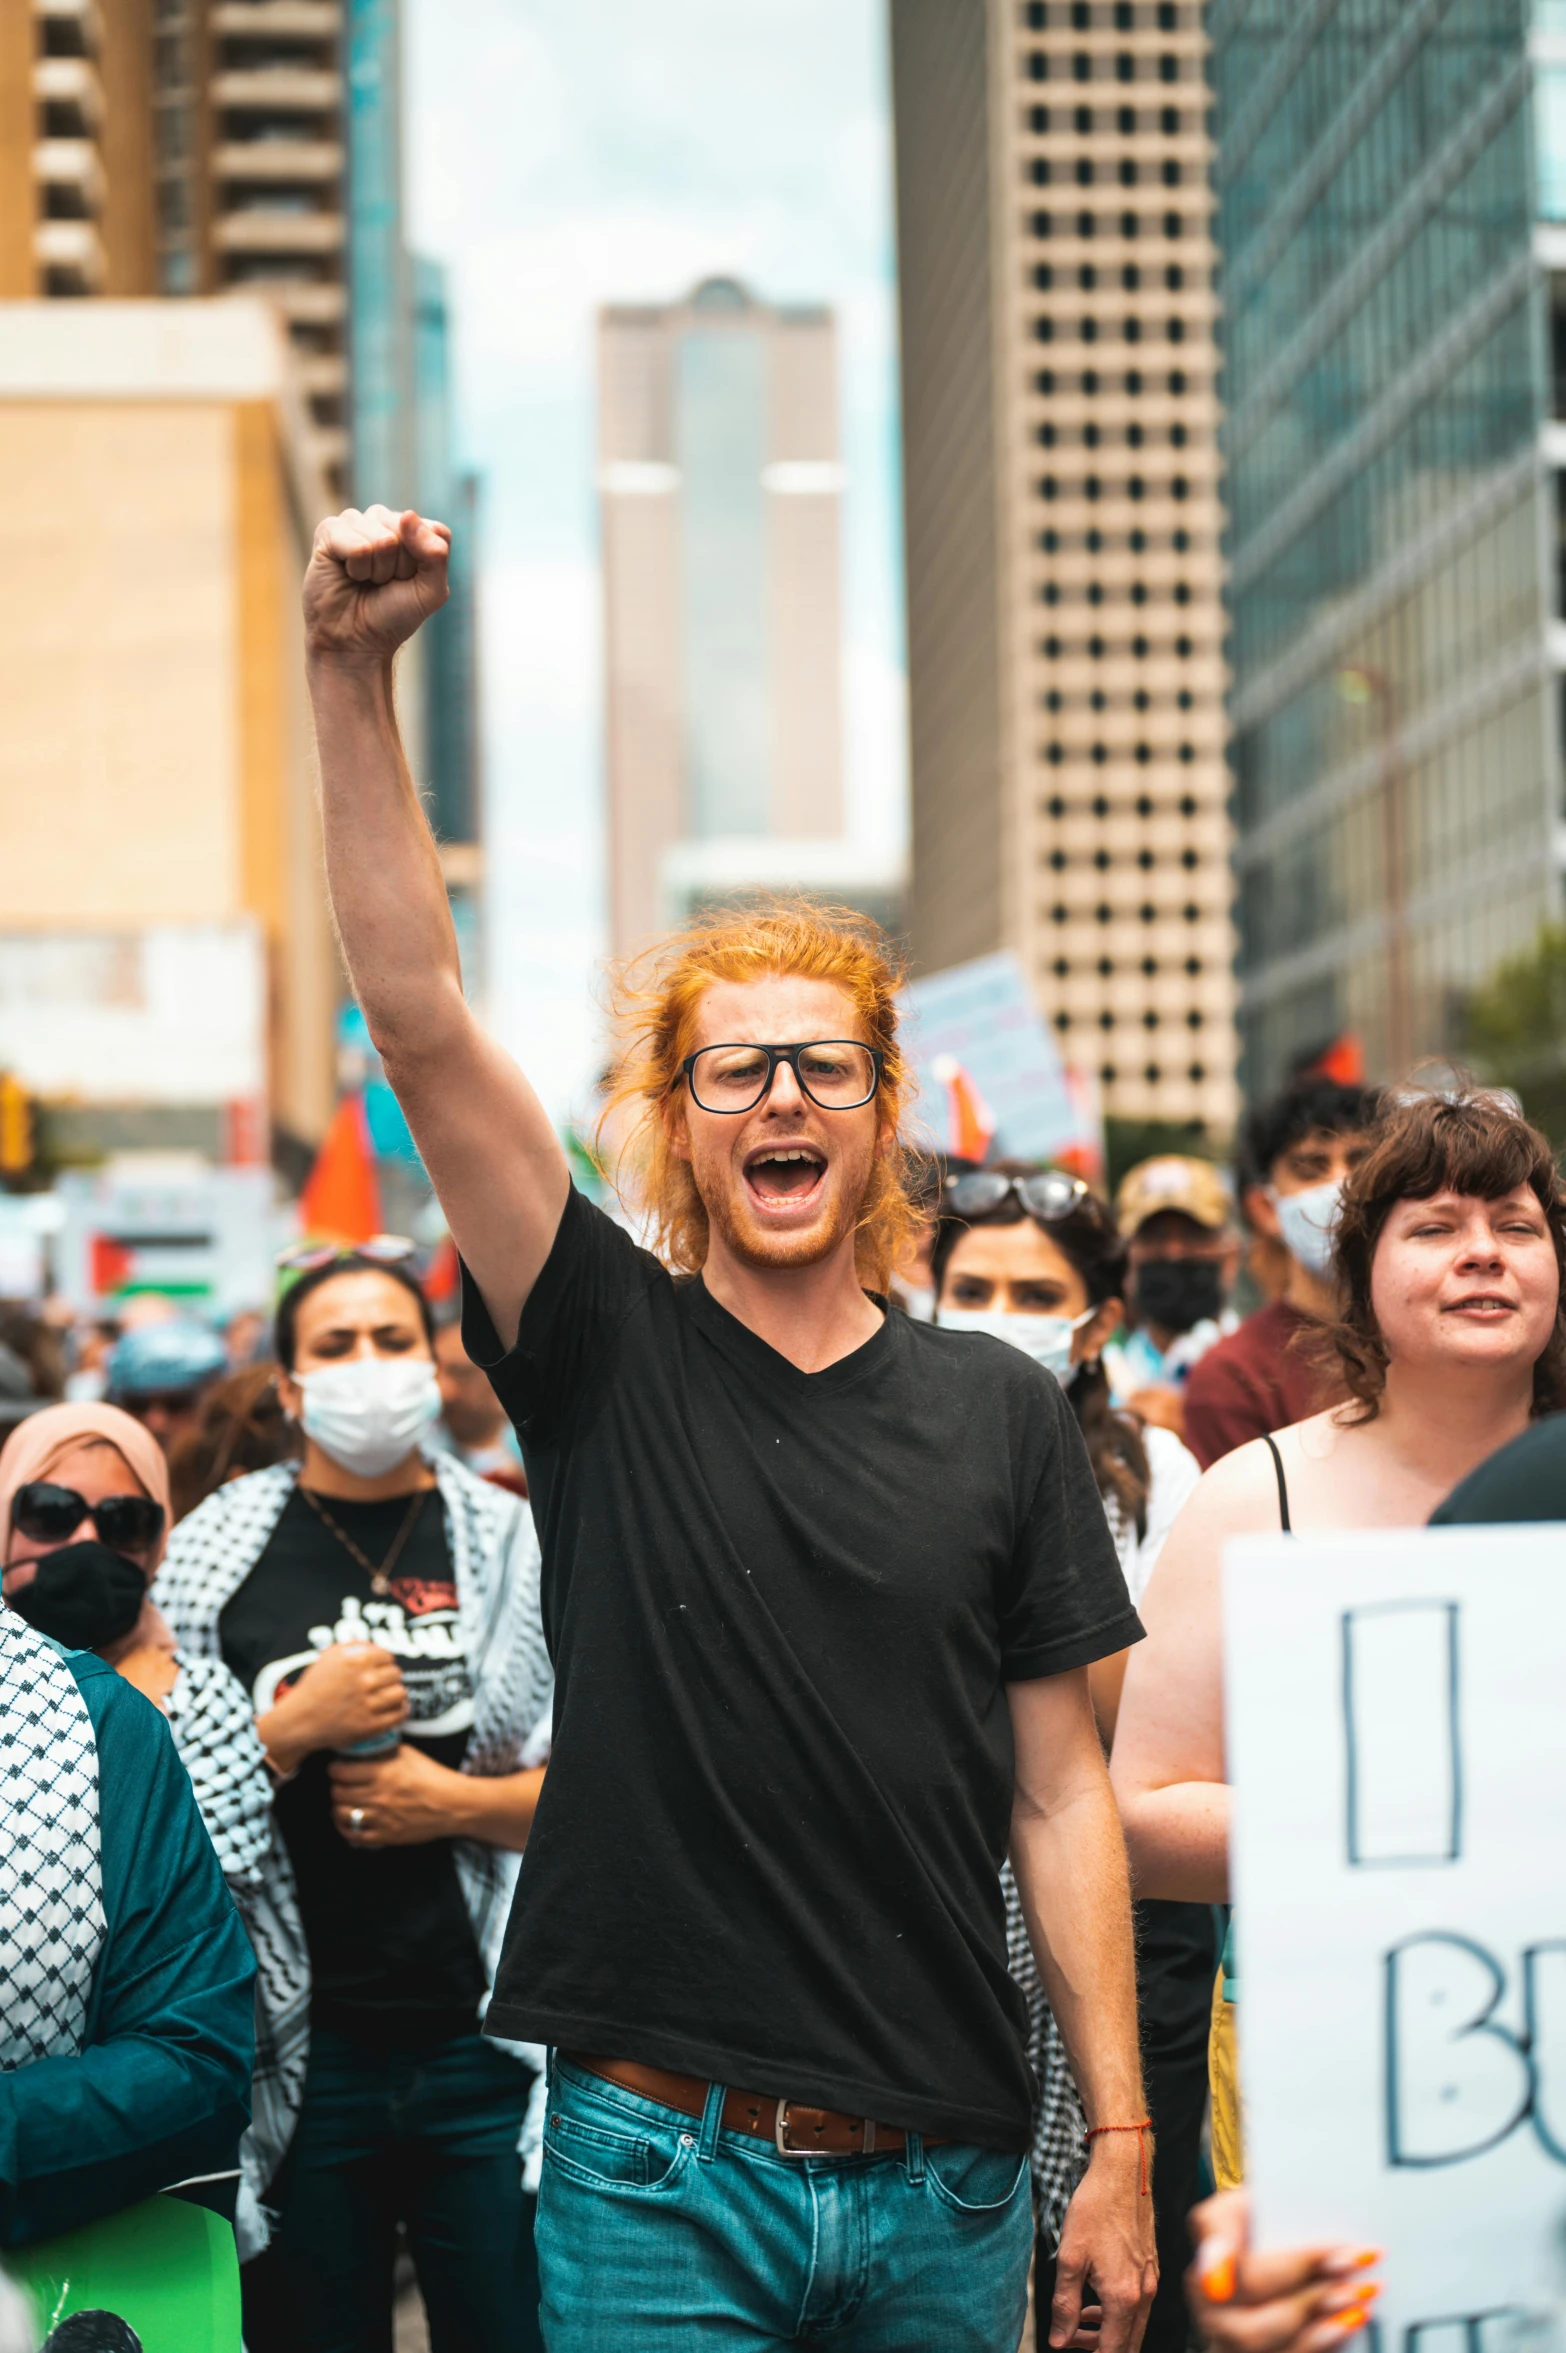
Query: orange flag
x=341 y=1200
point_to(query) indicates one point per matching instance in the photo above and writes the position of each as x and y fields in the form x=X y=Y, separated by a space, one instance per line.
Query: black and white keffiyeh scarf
x=495 y=1566
x=1059 y=2152
x=52 y=1922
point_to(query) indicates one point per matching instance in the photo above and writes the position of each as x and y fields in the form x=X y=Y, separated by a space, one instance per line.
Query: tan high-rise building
x=167 y=972
x=1062 y=517
x=182 y=148
x=721 y=486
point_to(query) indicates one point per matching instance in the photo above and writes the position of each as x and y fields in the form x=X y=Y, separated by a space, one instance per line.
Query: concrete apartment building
x=157 y=151
x=1392 y=216
x=721 y=486
x=184 y=149
x=167 y=972
x=1062 y=527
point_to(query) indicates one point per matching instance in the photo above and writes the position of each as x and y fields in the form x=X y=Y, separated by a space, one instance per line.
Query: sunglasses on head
x=303 y=1258
x=1051 y=1195
x=51 y=1515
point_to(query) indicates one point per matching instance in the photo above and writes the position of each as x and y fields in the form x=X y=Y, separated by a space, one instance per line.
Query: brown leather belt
x=794 y=2129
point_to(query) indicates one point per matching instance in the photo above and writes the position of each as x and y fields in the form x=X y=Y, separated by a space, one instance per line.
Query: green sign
x=166 y=2268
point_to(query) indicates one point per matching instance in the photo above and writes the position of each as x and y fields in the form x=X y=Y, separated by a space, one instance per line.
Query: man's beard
x=753 y=1245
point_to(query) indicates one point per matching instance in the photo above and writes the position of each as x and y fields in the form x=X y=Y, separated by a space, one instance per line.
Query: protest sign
x=1396 y=1725
x=981 y=1018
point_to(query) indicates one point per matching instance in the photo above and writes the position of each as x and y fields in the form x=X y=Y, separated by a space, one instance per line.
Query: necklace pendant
x=379 y=1584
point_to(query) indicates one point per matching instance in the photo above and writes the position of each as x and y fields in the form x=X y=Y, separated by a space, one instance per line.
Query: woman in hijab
x=84 y=1506
x=124 y=1964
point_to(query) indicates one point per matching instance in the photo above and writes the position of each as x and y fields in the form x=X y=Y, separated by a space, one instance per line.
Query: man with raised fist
x=821 y=1587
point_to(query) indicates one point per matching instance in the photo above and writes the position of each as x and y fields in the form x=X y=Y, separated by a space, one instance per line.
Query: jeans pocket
x=595 y=2154
x=981 y=2182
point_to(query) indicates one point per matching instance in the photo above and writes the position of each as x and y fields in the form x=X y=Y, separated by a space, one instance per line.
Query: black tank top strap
x=1283 y=1486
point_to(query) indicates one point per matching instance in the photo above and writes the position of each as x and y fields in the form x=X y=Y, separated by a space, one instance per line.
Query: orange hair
x=653 y=1000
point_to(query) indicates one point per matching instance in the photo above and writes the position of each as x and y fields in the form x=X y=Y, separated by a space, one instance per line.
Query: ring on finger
x=356 y=1820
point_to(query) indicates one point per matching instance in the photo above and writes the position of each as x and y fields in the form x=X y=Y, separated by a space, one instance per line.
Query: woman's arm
x=407 y=1799
x=1168 y=1767
x=162 y=2088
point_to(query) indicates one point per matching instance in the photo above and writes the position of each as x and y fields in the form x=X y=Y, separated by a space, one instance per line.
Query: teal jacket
x=161 y=2088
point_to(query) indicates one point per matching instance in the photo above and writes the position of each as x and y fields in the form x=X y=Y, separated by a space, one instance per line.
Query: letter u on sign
x=1400 y=1712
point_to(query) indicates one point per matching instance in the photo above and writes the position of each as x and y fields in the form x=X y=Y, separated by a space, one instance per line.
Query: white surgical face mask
x=1046 y=1338
x=1308 y=1221
x=370 y=1413
x=917 y=1302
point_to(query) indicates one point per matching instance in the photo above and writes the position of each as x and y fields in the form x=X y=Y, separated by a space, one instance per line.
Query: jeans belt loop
x=913 y=2151
x=711 y=2120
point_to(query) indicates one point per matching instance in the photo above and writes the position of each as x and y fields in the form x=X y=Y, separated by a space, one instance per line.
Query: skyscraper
x=1062 y=523
x=183 y=147
x=721 y=485
x=188 y=147
x=1392 y=214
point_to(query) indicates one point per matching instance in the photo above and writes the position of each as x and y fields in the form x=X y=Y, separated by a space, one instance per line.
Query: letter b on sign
x=1456 y=2082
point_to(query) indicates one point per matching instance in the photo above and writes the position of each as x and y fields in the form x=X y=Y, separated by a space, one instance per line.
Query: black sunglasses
x=1051 y=1195
x=50 y=1515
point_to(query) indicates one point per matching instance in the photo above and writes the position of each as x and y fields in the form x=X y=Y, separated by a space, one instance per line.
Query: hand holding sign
x=1399 y=1842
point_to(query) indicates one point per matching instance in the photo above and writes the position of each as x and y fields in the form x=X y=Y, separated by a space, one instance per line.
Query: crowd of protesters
x=770 y=1563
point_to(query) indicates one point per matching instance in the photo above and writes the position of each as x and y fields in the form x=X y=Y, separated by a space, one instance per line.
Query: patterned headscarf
x=45 y=1439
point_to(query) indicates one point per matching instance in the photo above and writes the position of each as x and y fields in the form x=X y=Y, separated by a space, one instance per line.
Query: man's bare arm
x=1070 y=1864
x=492 y=1155
x=1168 y=1766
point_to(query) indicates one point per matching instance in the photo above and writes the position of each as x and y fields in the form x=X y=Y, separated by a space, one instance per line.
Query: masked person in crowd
x=1450 y=1239
x=161 y=1371
x=472 y=1419
x=1033 y=1257
x=124 y=1964
x=381 y=1609
x=1182 y=1256
x=809 y=1681
x=1295 y=1152
x=84 y=1497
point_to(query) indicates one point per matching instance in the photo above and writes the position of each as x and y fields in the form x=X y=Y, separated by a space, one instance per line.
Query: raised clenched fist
x=374 y=578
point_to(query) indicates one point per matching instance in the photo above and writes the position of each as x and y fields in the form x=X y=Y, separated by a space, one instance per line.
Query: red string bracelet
x=1140 y=2130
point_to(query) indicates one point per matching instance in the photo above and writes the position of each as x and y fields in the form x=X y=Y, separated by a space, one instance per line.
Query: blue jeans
x=426 y=2138
x=654 y=2230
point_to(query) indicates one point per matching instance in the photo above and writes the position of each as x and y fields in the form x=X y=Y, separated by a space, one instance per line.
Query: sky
x=563 y=156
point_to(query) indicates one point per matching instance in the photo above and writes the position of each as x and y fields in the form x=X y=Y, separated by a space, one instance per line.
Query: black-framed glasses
x=838 y=1074
x=51 y=1515
x=1050 y=1195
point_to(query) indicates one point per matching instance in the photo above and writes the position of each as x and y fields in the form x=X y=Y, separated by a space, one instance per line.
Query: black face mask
x=84 y=1595
x=1178 y=1292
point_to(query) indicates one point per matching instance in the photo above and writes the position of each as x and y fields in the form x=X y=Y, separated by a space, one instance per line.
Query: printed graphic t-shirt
x=783 y=1609
x=392 y=1950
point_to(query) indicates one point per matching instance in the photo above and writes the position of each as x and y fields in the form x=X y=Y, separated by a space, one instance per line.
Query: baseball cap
x=1193 y=1187
x=165 y=1358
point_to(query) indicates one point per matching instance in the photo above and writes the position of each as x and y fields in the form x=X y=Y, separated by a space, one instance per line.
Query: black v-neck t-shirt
x=783 y=1609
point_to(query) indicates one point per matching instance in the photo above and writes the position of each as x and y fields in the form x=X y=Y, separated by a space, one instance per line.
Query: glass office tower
x=1388 y=179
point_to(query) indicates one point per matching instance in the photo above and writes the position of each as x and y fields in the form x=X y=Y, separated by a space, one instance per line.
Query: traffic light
x=16 y=1126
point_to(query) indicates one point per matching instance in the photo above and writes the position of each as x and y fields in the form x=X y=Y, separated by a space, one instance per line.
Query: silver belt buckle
x=787 y=2149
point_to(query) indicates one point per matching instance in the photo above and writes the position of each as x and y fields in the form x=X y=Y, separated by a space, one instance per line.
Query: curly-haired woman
x=1450 y=1246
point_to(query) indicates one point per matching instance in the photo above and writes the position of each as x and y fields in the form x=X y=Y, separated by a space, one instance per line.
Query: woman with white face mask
x=381 y=1607
x=1033 y=1257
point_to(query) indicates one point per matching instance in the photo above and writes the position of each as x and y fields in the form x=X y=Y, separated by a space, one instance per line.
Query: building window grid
x=1082 y=222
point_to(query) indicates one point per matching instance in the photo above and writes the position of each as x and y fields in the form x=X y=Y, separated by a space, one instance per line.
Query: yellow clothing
x=1223 y=2075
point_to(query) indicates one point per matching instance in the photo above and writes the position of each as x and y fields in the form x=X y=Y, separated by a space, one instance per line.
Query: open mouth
x=785 y=1172
x=1486 y=1304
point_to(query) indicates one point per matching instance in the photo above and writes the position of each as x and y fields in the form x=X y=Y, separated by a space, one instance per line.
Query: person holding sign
x=1449 y=1245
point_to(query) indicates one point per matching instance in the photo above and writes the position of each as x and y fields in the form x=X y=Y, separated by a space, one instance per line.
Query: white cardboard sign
x=1396 y=1724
